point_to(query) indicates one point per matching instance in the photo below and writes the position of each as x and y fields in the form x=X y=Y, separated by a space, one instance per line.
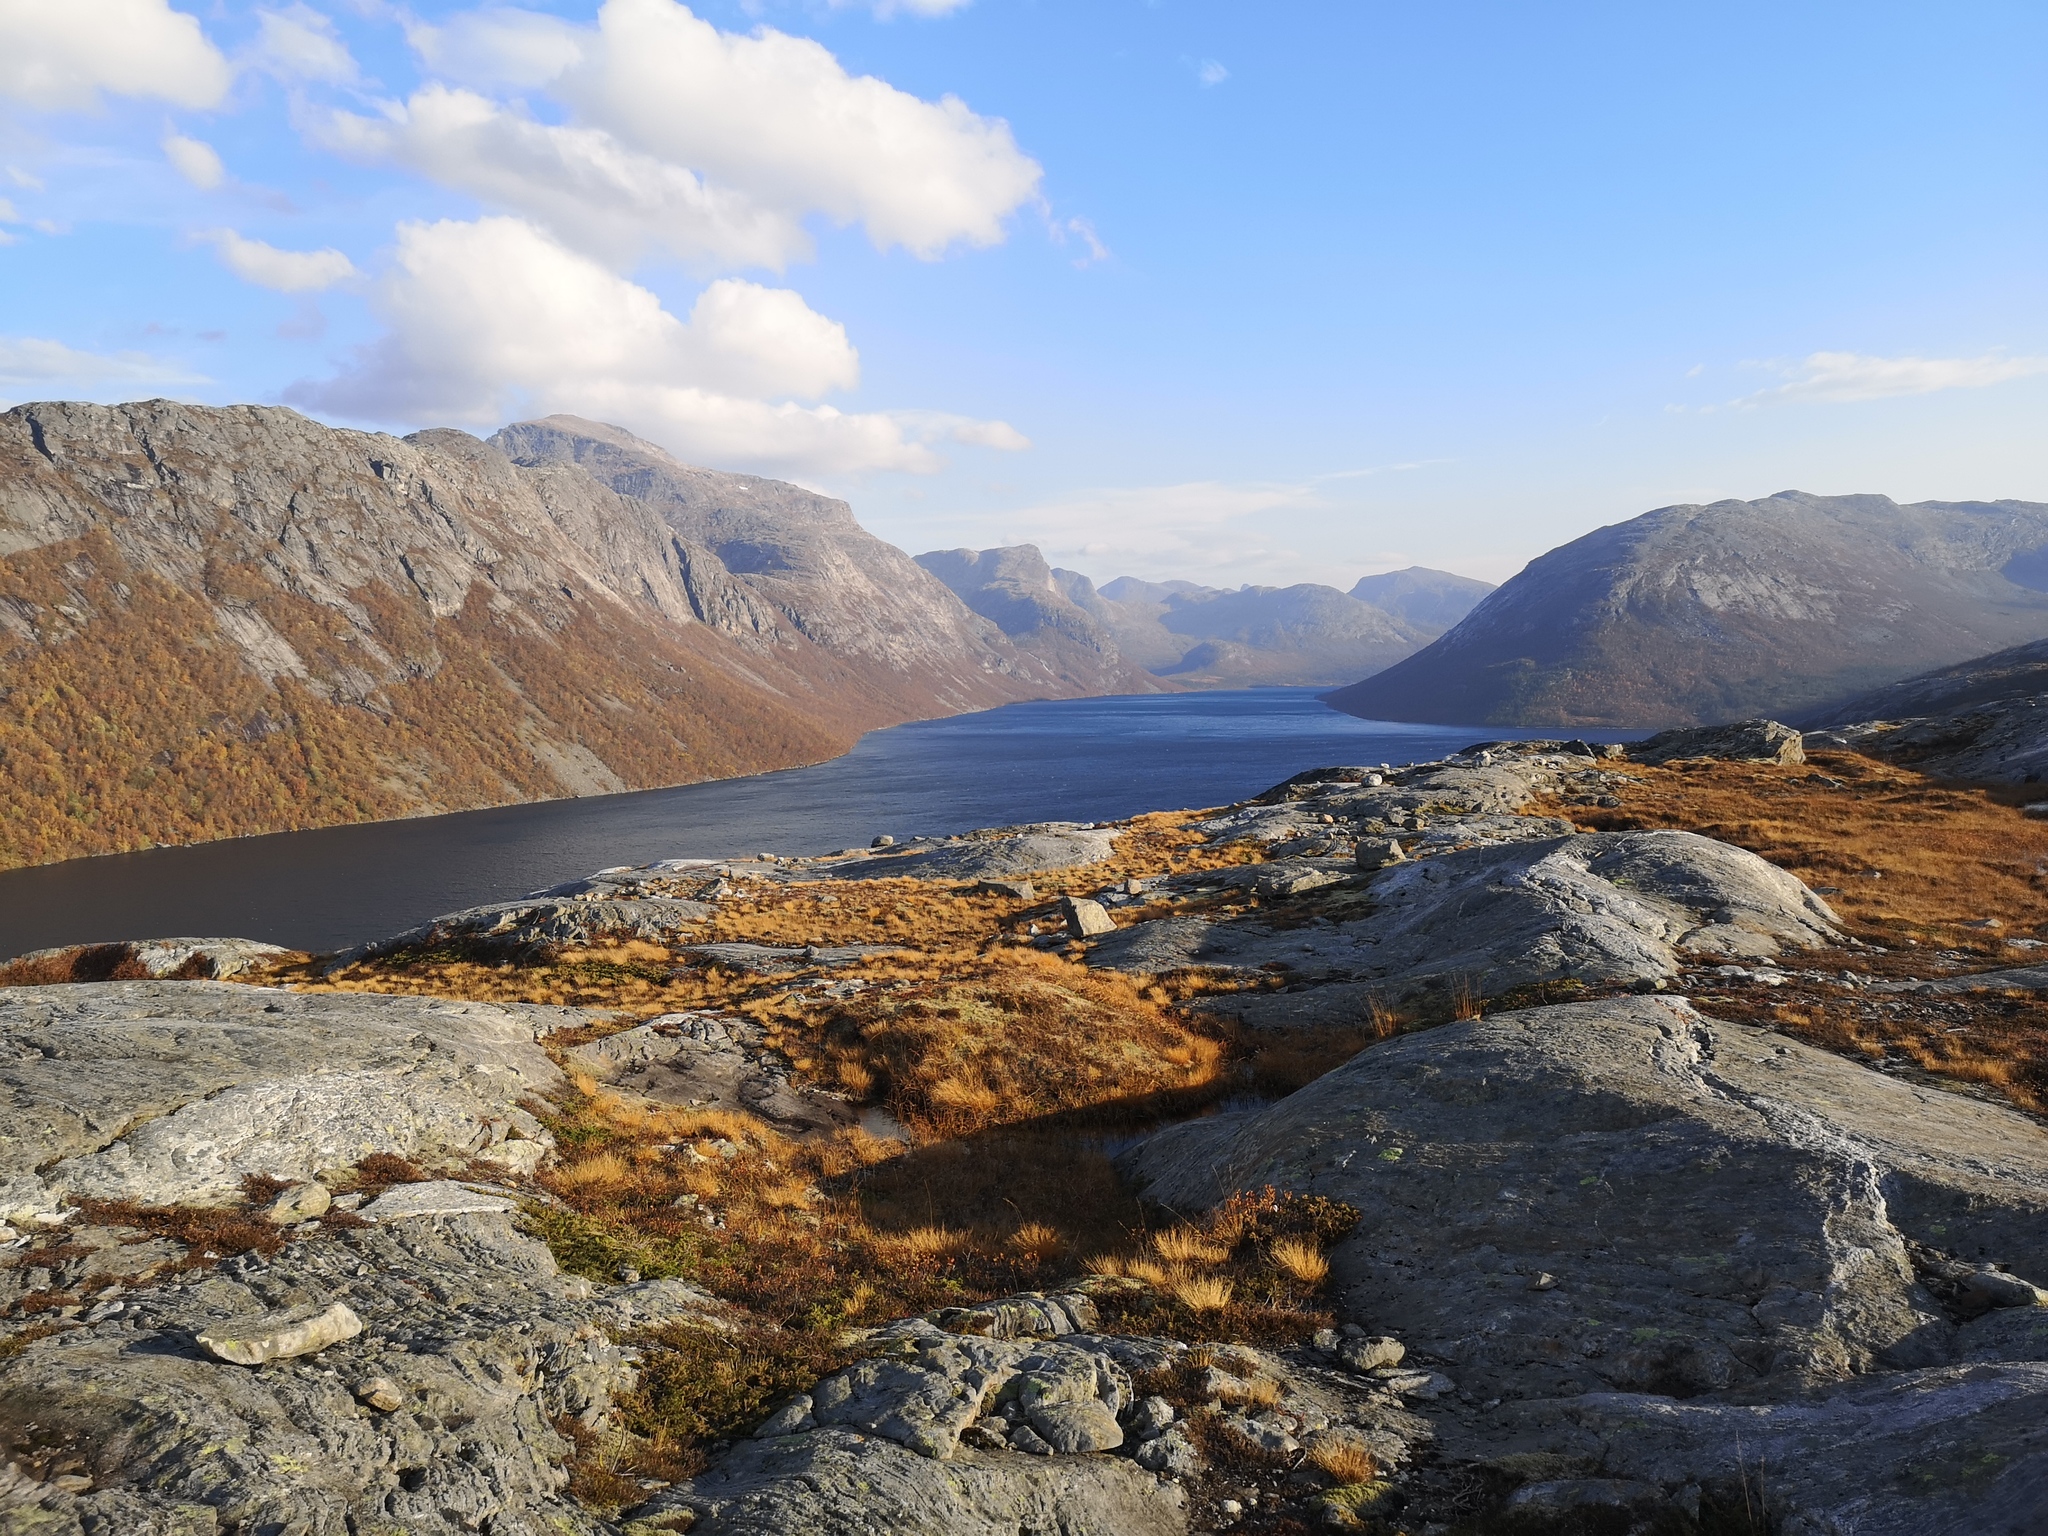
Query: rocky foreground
x=1567 y=1252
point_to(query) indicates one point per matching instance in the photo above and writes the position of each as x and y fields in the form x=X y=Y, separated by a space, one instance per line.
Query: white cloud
x=285 y=271
x=57 y=54
x=35 y=363
x=769 y=129
x=1846 y=376
x=498 y=46
x=582 y=183
x=937 y=426
x=1084 y=231
x=1209 y=72
x=299 y=42
x=494 y=319
x=195 y=160
x=1201 y=530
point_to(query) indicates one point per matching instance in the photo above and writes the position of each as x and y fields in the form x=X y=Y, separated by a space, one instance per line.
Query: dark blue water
x=1070 y=760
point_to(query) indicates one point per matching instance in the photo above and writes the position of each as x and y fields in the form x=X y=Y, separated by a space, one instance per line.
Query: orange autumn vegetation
x=128 y=719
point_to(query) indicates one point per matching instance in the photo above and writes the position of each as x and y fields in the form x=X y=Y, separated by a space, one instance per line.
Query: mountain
x=1422 y=598
x=1694 y=614
x=1196 y=636
x=1054 y=616
x=1984 y=719
x=1300 y=634
x=233 y=620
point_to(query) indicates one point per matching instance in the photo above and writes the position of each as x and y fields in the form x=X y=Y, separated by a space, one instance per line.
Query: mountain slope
x=222 y=621
x=1425 y=600
x=2017 y=673
x=1692 y=614
x=1983 y=719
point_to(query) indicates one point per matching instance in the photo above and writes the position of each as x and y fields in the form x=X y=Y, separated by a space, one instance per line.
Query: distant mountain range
x=1697 y=614
x=1134 y=632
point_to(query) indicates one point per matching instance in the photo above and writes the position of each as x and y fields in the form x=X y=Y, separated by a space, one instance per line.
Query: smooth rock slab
x=436 y=1197
x=1603 y=906
x=1738 y=1219
x=1005 y=855
x=170 y=1092
x=280 y=1335
x=833 y=1482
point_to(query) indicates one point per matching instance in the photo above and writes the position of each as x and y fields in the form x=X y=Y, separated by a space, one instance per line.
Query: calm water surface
x=1069 y=760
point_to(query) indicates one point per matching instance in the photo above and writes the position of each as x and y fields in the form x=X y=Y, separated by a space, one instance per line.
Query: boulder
x=1377 y=852
x=173 y=1092
x=1744 y=1229
x=1748 y=741
x=302 y=1202
x=1084 y=918
x=280 y=1335
x=1014 y=890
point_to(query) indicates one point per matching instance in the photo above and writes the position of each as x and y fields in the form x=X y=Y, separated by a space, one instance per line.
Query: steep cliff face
x=1697 y=614
x=222 y=621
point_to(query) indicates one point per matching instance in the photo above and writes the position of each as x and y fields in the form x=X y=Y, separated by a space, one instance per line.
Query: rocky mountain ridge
x=1694 y=614
x=1203 y=637
x=227 y=620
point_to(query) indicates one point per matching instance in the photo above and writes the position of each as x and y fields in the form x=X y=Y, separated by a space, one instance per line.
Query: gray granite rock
x=1743 y=1229
x=1611 y=906
x=1085 y=919
x=710 y=1061
x=1748 y=741
x=1005 y=854
x=838 y=1482
x=301 y=1202
x=168 y=1092
x=437 y=1418
x=302 y=1330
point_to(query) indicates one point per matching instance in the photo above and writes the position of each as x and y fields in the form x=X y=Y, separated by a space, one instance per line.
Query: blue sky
x=1217 y=291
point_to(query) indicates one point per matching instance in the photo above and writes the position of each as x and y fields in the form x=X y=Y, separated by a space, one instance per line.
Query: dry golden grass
x=1202 y=1293
x=1184 y=1245
x=1301 y=1259
x=1345 y=1460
